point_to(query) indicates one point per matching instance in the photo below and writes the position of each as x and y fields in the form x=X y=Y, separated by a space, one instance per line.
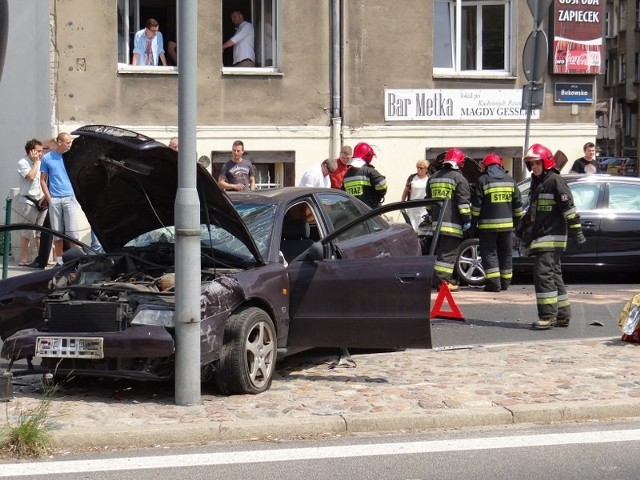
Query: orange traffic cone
x=454 y=312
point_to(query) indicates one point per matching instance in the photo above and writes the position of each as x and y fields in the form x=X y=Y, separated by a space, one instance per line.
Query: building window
x=607 y=73
x=133 y=15
x=472 y=36
x=636 y=67
x=637 y=14
x=263 y=16
x=623 y=17
x=622 y=78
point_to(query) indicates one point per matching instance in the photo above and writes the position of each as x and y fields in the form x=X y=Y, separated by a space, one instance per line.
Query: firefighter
x=362 y=180
x=496 y=206
x=551 y=215
x=449 y=183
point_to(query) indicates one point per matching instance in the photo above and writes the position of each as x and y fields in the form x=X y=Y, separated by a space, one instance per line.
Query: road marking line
x=313 y=453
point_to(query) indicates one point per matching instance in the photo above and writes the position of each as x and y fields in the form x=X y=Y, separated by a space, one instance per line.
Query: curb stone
x=339 y=425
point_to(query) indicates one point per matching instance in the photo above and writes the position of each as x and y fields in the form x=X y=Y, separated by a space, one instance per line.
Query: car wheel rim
x=260 y=353
x=470 y=264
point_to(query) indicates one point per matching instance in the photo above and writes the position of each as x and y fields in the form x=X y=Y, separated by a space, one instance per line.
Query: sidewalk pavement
x=527 y=382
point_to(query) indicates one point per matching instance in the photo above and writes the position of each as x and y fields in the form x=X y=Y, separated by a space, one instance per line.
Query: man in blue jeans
x=63 y=206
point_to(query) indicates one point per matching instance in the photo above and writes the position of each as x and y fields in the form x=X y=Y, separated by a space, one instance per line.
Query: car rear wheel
x=248 y=356
x=469 y=263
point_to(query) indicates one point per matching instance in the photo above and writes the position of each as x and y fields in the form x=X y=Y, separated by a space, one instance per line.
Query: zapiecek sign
x=454 y=104
x=577 y=38
x=573 y=93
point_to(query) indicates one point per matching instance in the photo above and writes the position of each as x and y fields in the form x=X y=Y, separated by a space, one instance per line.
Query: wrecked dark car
x=281 y=270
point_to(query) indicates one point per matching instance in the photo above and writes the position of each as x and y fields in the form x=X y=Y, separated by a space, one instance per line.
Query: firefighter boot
x=544 y=323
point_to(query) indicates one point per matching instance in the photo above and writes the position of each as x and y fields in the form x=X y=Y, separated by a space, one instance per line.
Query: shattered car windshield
x=258 y=218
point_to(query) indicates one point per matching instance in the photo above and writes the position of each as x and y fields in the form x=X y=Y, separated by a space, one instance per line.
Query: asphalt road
x=506 y=317
x=572 y=452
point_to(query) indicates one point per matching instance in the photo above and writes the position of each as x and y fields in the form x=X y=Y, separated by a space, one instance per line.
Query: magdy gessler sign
x=577 y=37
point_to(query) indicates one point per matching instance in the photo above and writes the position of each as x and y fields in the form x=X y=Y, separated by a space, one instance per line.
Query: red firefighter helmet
x=539 y=152
x=455 y=157
x=364 y=151
x=491 y=159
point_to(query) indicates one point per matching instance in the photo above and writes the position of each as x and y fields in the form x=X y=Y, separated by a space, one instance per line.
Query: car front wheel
x=248 y=360
x=469 y=263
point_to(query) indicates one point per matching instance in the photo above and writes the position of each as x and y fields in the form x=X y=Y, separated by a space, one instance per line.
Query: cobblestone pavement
x=567 y=380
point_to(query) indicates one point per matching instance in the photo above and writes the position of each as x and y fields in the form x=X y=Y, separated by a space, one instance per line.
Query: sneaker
x=563 y=322
x=544 y=323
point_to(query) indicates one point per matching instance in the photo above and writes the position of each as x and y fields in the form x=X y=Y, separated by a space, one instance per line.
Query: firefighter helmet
x=455 y=158
x=364 y=151
x=491 y=159
x=539 y=152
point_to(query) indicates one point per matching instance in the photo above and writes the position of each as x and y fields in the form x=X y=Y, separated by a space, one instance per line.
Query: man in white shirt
x=318 y=175
x=244 y=54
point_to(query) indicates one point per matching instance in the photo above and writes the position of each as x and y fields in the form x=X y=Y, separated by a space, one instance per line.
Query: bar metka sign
x=454 y=104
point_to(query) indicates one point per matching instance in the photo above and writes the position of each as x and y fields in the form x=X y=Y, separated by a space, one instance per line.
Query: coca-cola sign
x=577 y=60
x=577 y=42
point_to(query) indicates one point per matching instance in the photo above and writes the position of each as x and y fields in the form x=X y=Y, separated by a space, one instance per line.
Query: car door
x=620 y=226
x=368 y=301
x=587 y=196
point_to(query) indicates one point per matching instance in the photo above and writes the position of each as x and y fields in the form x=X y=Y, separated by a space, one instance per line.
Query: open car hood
x=126 y=184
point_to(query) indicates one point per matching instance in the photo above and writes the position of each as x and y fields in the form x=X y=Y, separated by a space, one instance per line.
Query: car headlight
x=154 y=318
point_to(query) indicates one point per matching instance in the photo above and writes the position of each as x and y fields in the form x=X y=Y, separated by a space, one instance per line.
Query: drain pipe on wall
x=336 y=79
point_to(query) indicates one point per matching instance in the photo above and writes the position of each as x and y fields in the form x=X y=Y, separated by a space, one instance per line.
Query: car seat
x=295 y=238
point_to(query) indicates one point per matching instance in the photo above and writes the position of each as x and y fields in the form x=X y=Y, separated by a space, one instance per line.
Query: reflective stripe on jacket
x=451 y=184
x=496 y=204
x=365 y=183
x=552 y=212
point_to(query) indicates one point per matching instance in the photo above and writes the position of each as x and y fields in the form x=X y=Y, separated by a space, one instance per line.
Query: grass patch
x=28 y=434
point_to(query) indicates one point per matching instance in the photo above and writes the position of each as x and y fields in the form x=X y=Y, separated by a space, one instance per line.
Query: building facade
x=412 y=78
x=617 y=109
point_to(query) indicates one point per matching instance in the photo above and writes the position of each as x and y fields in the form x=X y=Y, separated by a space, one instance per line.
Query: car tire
x=248 y=359
x=468 y=265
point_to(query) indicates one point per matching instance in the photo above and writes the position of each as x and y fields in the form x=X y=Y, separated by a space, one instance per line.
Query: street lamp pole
x=187 y=214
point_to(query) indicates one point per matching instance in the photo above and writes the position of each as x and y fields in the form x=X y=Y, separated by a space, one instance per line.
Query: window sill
x=474 y=75
x=136 y=69
x=251 y=71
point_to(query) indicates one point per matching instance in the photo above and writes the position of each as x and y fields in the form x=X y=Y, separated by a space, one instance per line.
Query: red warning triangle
x=454 y=312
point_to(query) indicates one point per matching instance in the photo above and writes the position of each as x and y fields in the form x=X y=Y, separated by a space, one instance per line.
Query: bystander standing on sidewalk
x=30 y=207
x=238 y=173
x=318 y=175
x=63 y=206
x=415 y=189
x=342 y=164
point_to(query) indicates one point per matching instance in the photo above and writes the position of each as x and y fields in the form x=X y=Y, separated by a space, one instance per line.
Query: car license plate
x=70 y=347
